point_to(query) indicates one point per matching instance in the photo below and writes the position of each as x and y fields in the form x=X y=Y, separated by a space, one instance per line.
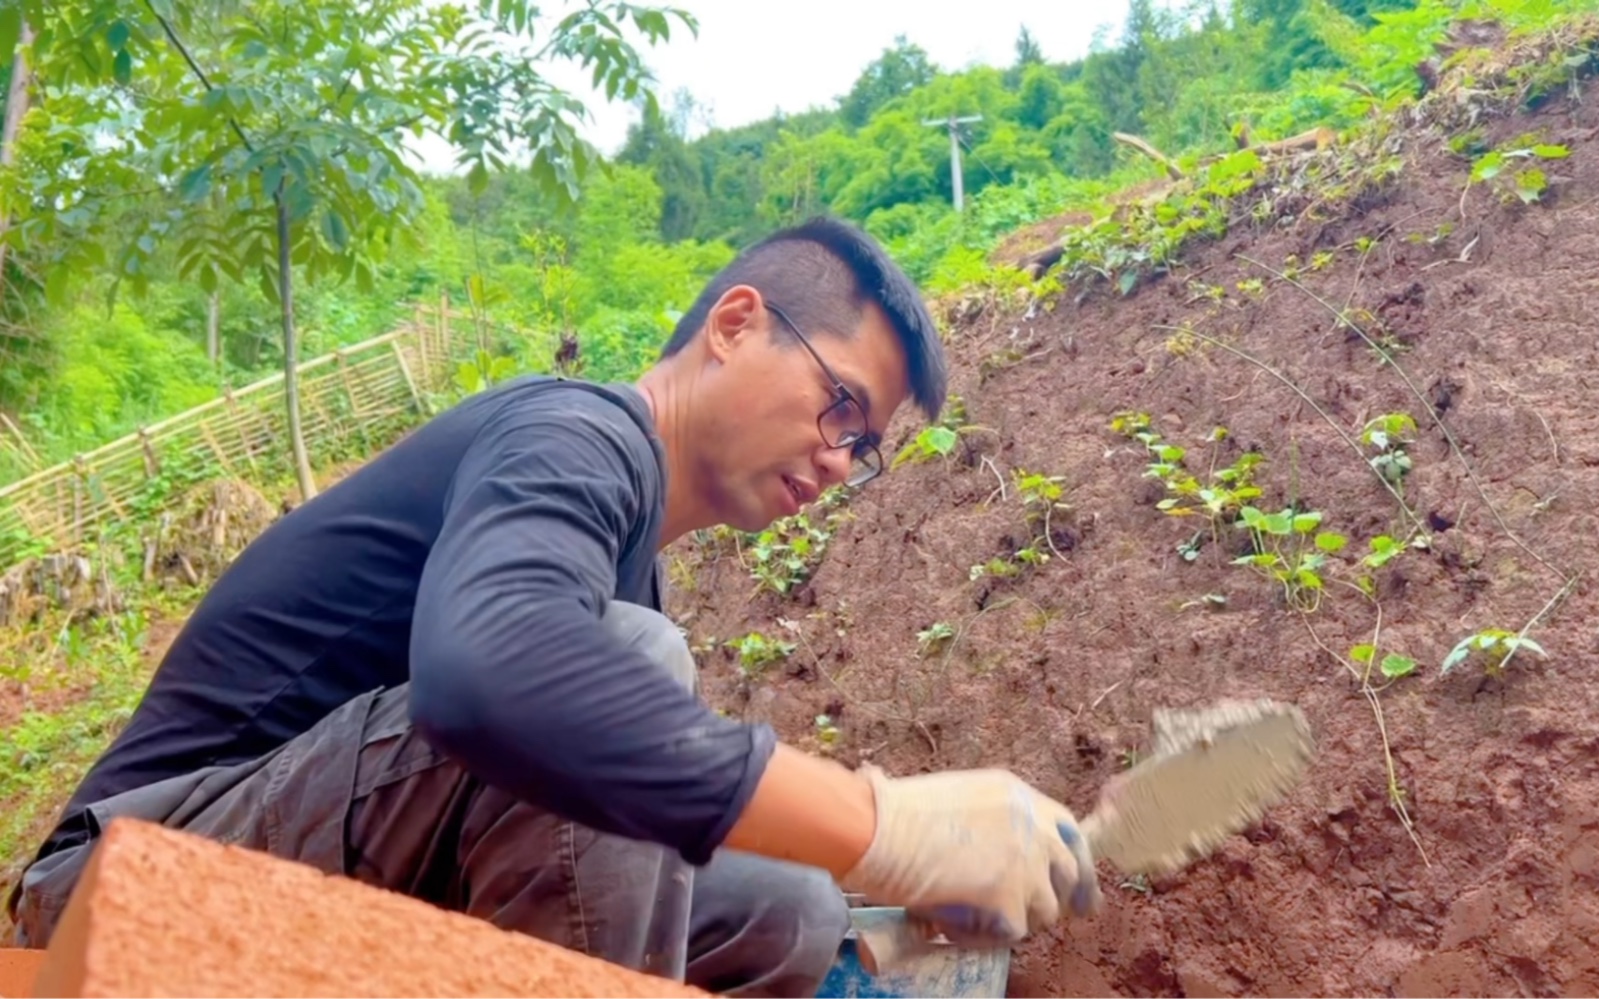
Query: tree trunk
x=291 y=378
x=213 y=322
x=16 y=108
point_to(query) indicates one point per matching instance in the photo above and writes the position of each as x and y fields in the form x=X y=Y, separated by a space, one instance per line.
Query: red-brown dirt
x=160 y=912
x=1055 y=673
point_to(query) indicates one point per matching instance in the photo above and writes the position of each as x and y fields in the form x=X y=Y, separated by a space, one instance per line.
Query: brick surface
x=159 y=912
x=17 y=968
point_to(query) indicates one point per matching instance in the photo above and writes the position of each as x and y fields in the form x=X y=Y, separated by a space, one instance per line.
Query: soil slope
x=1054 y=672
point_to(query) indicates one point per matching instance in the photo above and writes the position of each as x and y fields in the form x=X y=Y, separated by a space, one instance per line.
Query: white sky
x=753 y=57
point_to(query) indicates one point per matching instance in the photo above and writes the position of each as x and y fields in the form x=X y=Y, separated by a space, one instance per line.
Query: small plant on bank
x=1041 y=497
x=1390 y=434
x=1525 y=183
x=1219 y=501
x=1490 y=646
x=933 y=637
x=1010 y=566
x=1290 y=551
x=788 y=552
x=1384 y=549
x=756 y=653
x=827 y=733
x=938 y=440
x=1393 y=665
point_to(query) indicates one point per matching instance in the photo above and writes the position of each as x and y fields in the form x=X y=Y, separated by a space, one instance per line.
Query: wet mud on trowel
x=1211 y=773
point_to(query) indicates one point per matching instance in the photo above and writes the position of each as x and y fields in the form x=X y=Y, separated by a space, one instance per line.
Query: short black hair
x=822 y=273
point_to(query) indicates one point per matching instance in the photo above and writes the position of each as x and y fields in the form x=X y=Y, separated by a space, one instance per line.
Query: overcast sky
x=753 y=57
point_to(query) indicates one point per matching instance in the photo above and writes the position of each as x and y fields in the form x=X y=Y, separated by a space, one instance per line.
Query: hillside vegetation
x=1188 y=78
x=1232 y=416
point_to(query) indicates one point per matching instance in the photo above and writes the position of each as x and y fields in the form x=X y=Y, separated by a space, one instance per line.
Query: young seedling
x=938 y=440
x=1290 y=551
x=1524 y=183
x=1393 y=665
x=826 y=732
x=1390 y=434
x=1219 y=501
x=932 y=442
x=1491 y=646
x=788 y=552
x=932 y=638
x=756 y=652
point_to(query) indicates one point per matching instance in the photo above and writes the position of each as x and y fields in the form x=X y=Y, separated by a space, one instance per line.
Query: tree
x=1028 y=53
x=900 y=69
x=265 y=136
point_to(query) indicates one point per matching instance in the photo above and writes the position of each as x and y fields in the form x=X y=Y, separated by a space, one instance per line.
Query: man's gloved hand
x=979 y=853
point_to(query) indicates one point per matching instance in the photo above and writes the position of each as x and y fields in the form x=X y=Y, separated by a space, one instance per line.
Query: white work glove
x=978 y=853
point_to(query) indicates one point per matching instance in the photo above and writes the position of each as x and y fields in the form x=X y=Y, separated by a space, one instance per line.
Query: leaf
x=941 y=439
x=1330 y=542
x=1304 y=523
x=1280 y=523
x=196 y=184
x=1458 y=654
x=335 y=231
x=117 y=36
x=1362 y=653
x=122 y=67
x=271 y=178
x=10 y=30
x=1530 y=185
x=1395 y=666
x=1518 y=643
x=478 y=178
x=1488 y=167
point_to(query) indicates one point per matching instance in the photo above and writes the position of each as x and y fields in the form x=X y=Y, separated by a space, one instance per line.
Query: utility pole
x=955 y=176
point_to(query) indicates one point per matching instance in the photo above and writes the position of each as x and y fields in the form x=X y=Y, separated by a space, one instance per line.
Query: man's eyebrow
x=862 y=396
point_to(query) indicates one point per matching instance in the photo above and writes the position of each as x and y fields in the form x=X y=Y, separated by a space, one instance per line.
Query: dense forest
x=109 y=325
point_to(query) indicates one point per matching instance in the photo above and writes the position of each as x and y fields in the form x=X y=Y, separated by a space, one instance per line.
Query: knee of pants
x=43 y=892
x=656 y=636
x=781 y=940
x=818 y=919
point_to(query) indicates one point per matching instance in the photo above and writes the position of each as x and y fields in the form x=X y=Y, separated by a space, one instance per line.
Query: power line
x=953 y=123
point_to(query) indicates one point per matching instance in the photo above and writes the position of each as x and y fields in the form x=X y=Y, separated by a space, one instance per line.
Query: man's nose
x=834 y=465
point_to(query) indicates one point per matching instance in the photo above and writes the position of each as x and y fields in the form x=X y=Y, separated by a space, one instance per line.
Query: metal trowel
x=1211 y=773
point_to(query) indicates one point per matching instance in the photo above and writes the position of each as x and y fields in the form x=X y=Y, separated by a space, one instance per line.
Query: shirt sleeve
x=512 y=673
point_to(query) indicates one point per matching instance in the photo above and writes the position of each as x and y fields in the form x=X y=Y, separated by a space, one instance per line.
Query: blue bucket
x=945 y=971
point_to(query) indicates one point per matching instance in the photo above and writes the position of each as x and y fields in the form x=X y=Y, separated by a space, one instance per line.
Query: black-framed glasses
x=843 y=423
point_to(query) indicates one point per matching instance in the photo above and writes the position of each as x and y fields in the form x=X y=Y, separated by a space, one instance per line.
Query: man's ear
x=736 y=315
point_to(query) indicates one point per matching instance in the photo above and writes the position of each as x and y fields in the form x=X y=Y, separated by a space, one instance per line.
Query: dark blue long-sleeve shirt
x=472 y=559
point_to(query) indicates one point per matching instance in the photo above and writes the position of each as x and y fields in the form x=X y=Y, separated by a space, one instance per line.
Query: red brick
x=159 y=912
x=17 y=968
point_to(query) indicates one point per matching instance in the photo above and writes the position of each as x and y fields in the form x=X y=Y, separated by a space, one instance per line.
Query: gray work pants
x=361 y=794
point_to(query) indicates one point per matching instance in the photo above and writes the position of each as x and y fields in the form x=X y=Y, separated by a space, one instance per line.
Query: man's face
x=772 y=407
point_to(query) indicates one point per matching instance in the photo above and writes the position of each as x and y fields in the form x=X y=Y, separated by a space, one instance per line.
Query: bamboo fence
x=343 y=396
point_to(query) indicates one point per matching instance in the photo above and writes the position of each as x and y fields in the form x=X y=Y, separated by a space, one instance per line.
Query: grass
x=47 y=752
x=93 y=673
x=86 y=660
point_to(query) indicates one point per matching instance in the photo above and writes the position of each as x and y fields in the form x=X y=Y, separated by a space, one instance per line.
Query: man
x=449 y=675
